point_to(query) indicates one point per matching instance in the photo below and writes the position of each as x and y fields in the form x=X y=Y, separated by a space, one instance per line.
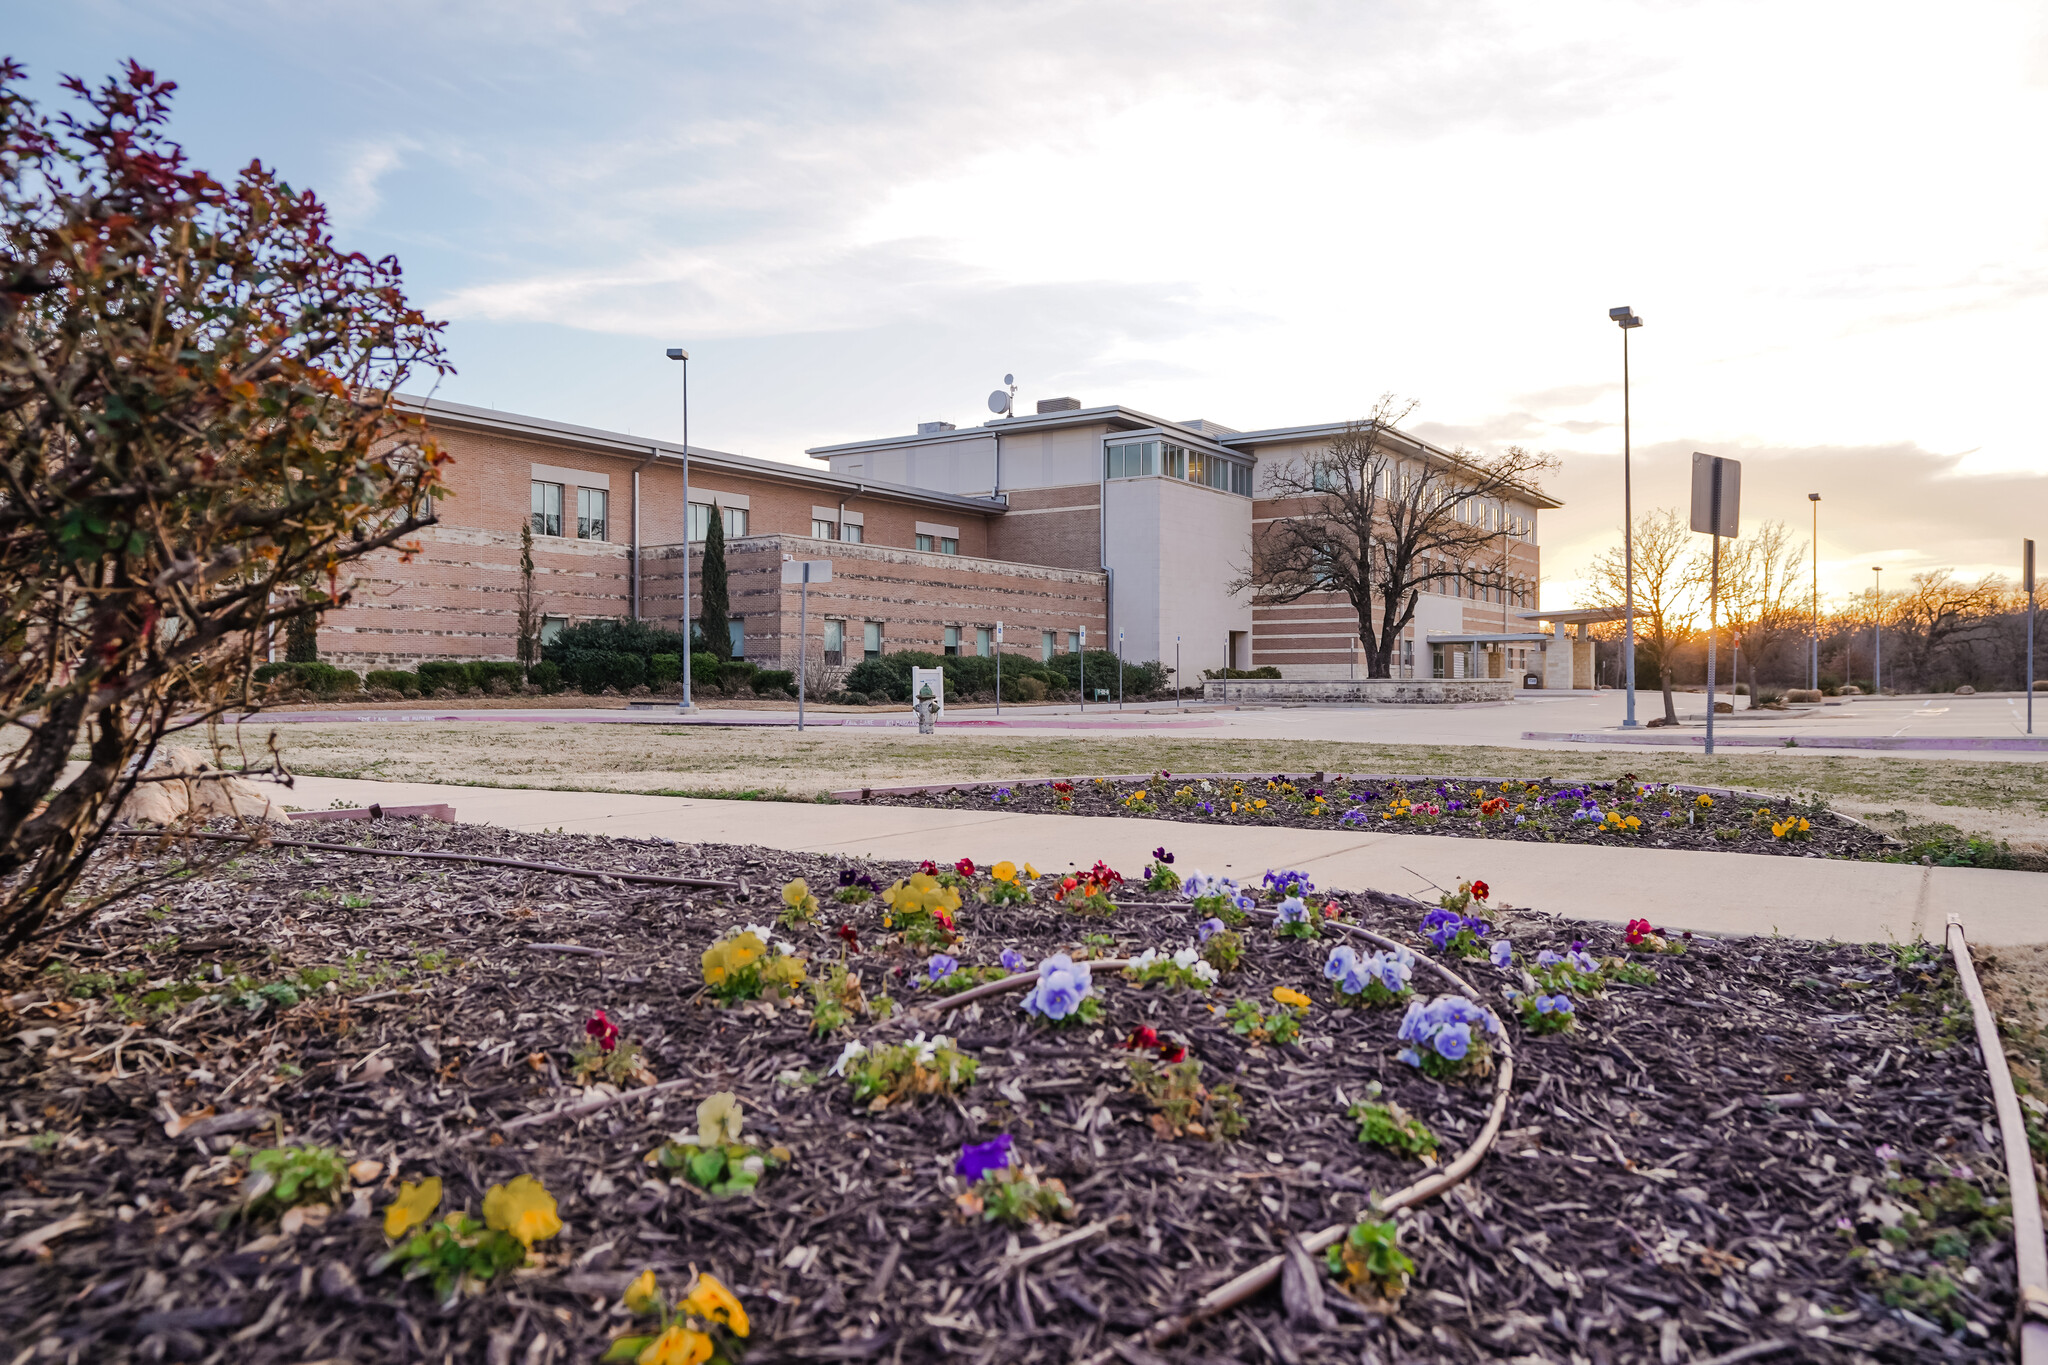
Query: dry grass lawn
x=2008 y=800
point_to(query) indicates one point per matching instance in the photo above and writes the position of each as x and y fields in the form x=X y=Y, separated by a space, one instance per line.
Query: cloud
x=1908 y=508
x=353 y=196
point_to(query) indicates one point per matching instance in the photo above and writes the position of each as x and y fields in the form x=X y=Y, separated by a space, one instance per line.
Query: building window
x=925 y=543
x=1073 y=642
x=547 y=509
x=984 y=641
x=835 y=642
x=948 y=545
x=1132 y=460
x=551 y=628
x=850 y=532
x=737 y=627
x=735 y=519
x=871 y=639
x=952 y=646
x=1048 y=644
x=1408 y=657
x=592 y=507
x=943 y=545
x=824 y=530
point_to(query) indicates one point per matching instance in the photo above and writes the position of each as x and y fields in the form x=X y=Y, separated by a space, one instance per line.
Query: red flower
x=1331 y=910
x=851 y=936
x=1176 y=1056
x=1143 y=1036
x=1102 y=874
x=602 y=1029
x=929 y=868
x=1480 y=891
x=965 y=867
x=1637 y=931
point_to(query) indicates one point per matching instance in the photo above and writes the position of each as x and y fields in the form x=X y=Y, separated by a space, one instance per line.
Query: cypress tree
x=302 y=639
x=715 y=615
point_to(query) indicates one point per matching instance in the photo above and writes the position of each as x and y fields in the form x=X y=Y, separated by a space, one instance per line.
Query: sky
x=1831 y=217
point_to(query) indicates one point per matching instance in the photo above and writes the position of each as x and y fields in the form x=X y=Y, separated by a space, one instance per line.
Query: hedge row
x=1024 y=679
x=323 y=680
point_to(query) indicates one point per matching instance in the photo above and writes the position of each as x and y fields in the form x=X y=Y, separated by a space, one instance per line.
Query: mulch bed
x=1546 y=811
x=1690 y=1171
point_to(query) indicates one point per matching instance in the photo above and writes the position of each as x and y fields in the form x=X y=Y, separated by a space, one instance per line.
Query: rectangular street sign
x=1716 y=495
x=807 y=571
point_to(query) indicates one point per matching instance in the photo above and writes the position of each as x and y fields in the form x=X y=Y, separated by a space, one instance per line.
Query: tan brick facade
x=456 y=597
x=914 y=596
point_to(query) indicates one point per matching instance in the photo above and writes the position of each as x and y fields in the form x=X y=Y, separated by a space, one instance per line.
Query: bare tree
x=1761 y=591
x=1669 y=591
x=1937 y=616
x=1376 y=517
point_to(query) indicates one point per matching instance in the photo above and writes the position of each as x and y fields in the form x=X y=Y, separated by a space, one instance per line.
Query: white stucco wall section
x=1053 y=459
x=1174 y=547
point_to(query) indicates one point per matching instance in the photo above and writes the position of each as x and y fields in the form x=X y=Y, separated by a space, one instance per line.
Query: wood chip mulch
x=1696 y=1168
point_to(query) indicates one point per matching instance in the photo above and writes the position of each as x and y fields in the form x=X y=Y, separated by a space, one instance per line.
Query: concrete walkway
x=1716 y=893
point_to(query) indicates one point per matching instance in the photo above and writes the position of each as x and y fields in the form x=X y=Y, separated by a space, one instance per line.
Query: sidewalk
x=1715 y=893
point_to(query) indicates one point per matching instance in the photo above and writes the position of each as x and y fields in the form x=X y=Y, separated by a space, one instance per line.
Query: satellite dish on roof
x=1009 y=379
x=999 y=403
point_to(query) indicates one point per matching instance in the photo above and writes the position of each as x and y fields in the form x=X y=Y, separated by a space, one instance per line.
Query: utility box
x=937 y=678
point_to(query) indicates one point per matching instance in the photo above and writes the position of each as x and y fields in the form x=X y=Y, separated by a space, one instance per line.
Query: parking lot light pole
x=689 y=644
x=1877 y=636
x=1813 y=669
x=1625 y=317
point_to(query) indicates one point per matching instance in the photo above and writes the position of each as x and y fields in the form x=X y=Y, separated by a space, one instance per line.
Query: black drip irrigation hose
x=559 y=869
x=1262 y=1276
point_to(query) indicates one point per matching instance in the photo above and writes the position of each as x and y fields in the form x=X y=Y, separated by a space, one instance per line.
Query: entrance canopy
x=1484 y=638
x=1577 y=616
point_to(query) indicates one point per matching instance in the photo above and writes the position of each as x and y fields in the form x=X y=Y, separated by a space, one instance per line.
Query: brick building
x=1100 y=519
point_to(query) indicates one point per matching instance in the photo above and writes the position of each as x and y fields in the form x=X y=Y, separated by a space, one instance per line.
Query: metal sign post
x=1716 y=511
x=1082 y=660
x=2028 y=556
x=1119 y=668
x=803 y=573
x=999 y=669
x=1176 y=672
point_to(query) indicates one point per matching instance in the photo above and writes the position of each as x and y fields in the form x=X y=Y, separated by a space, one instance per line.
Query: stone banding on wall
x=1357 y=691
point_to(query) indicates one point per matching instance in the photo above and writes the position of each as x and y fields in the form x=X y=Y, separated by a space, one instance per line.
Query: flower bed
x=1755 y=1139
x=1624 y=813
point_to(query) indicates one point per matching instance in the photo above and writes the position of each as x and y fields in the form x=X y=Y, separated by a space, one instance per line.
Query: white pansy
x=1204 y=973
x=1186 y=958
x=923 y=1052
x=851 y=1051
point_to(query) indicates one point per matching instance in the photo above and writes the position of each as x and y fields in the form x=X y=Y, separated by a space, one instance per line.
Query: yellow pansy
x=921 y=891
x=415 y=1205
x=1287 y=996
x=797 y=896
x=523 y=1208
x=677 y=1346
x=729 y=955
x=1004 y=871
x=713 y=1302
x=718 y=1120
x=641 y=1295
x=1703 y=801
x=1031 y=873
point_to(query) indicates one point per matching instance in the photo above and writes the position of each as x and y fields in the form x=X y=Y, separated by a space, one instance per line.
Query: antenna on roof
x=1000 y=403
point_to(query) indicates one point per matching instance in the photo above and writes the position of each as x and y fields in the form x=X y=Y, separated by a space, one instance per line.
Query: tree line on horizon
x=1939 y=631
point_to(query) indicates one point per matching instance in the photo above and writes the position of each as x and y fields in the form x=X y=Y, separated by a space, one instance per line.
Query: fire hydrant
x=927 y=709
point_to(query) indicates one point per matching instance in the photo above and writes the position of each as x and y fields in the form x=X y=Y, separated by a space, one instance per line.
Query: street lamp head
x=678 y=353
x=1813 y=497
x=1626 y=316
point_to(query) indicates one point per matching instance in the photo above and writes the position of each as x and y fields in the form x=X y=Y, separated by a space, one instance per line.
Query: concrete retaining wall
x=1358 y=691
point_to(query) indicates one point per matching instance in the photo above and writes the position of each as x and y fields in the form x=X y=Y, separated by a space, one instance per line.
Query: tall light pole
x=1626 y=318
x=689 y=643
x=1877 y=635
x=1813 y=670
